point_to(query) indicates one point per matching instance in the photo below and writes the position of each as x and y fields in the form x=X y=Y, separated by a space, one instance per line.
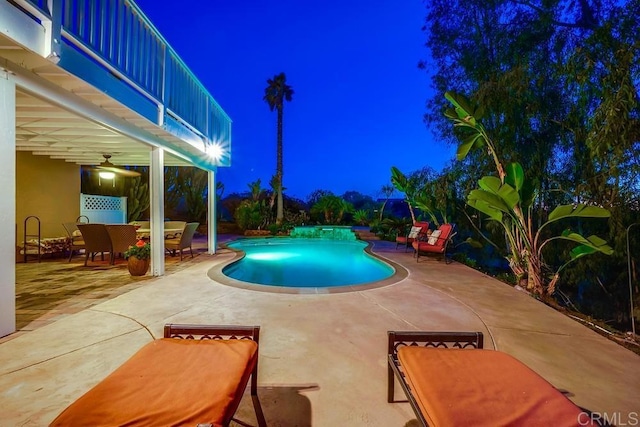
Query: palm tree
x=275 y=94
x=387 y=191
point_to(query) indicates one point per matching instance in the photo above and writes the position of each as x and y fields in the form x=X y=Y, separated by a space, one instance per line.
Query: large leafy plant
x=416 y=195
x=508 y=200
x=407 y=186
x=331 y=208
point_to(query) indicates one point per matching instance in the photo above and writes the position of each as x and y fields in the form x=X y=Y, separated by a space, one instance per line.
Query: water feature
x=333 y=232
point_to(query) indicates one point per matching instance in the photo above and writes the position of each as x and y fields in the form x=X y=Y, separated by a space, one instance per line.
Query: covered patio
x=81 y=81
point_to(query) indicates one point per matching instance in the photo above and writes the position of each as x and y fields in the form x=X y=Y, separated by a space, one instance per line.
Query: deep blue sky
x=359 y=96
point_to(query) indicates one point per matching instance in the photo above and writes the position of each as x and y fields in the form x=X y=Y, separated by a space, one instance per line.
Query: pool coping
x=215 y=274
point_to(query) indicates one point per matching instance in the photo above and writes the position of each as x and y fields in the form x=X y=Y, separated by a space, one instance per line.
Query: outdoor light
x=214 y=151
x=106 y=175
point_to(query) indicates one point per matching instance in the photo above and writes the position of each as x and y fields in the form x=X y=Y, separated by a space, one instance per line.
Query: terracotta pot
x=138 y=267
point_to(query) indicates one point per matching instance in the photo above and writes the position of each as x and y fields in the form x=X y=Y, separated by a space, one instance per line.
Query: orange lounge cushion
x=464 y=387
x=169 y=382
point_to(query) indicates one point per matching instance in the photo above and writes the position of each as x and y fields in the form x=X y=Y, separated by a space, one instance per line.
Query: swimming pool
x=305 y=263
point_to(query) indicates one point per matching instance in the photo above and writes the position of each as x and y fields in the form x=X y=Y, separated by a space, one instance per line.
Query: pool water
x=305 y=263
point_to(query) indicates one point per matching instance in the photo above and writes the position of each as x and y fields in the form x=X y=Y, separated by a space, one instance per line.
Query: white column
x=8 y=205
x=156 y=193
x=212 y=239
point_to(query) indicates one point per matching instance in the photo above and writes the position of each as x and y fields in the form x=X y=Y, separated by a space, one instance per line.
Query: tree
x=332 y=208
x=276 y=92
x=253 y=213
x=407 y=185
x=187 y=191
x=559 y=82
x=508 y=198
x=316 y=195
x=358 y=200
x=387 y=191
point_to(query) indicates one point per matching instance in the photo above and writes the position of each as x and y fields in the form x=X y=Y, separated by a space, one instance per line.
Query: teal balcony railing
x=116 y=35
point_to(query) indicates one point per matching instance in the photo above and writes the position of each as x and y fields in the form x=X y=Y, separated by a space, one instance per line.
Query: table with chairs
x=115 y=239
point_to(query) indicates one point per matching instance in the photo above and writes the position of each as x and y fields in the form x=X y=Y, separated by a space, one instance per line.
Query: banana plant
x=416 y=197
x=407 y=186
x=508 y=199
x=427 y=204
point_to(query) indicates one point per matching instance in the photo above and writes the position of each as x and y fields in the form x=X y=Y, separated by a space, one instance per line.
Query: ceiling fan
x=107 y=166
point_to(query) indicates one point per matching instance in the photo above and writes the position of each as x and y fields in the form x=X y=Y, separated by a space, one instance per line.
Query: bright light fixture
x=214 y=151
x=106 y=175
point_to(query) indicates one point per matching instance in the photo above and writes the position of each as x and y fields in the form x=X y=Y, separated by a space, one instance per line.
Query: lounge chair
x=183 y=241
x=436 y=243
x=76 y=242
x=451 y=381
x=96 y=240
x=122 y=237
x=195 y=376
x=417 y=231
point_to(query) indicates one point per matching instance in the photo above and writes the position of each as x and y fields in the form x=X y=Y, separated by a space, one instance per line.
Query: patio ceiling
x=49 y=130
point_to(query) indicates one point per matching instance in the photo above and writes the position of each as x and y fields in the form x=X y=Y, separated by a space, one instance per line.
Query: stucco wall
x=48 y=189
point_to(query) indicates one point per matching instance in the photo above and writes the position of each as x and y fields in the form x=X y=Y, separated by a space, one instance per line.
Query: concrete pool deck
x=322 y=356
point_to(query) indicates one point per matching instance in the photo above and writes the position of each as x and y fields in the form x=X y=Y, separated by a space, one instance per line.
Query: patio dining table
x=145 y=233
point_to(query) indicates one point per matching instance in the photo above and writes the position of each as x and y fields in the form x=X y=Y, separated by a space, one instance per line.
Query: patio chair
x=122 y=236
x=141 y=224
x=76 y=242
x=182 y=242
x=173 y=229
x=436 y=243
x=195 y=376
x=96 y=240
x=83 y=218
x=418 y=230
x=450 y=380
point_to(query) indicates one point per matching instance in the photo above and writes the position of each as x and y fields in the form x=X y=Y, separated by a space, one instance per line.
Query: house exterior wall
x=49 y=189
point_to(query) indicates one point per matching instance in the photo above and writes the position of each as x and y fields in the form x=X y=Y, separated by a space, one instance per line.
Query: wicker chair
x=182 y=242
x=96 y=239
x=76 y=242
x=122 y=236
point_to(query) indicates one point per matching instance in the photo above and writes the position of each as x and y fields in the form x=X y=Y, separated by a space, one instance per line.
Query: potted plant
x=138 y=258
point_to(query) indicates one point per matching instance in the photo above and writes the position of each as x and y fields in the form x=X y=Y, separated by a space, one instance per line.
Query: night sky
x=359 y=96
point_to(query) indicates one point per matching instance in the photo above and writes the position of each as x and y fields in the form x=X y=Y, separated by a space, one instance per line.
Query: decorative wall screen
x=104 y=209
